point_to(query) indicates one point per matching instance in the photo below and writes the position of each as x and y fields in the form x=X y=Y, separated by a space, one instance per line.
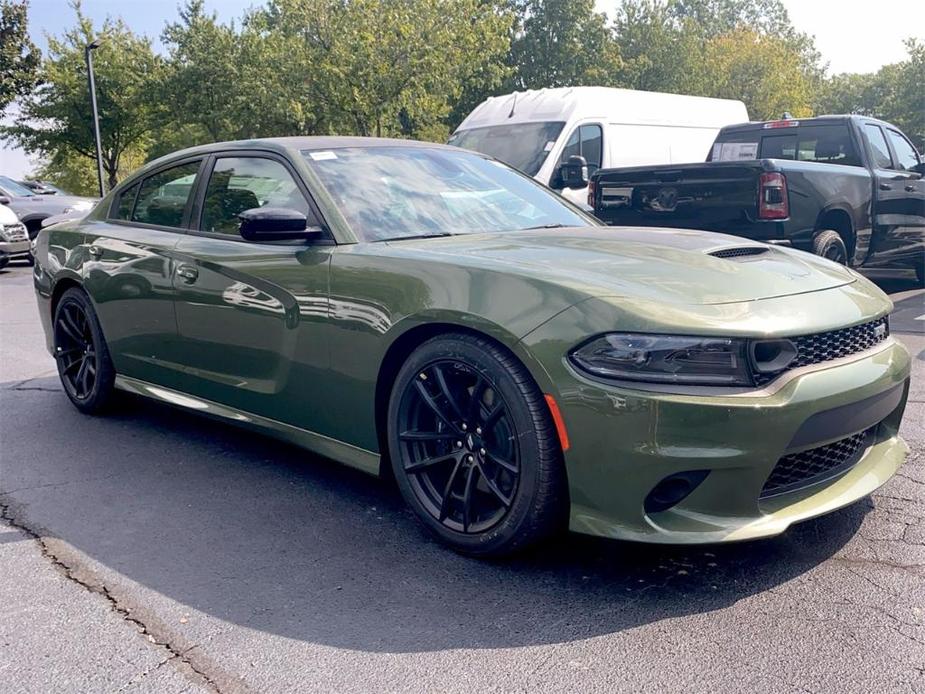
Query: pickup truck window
x=905 y=152
x=824 y=144
x=878 y=146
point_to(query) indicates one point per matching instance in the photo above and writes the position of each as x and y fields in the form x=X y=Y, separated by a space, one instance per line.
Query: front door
x=250 y=316
x=899 y=199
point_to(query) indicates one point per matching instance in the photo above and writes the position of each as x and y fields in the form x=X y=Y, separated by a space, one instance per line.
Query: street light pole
x=96 y=118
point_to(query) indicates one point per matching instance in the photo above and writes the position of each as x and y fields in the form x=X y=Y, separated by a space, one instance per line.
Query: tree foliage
x=564 y=43
x=55 y=119
x=407 y=68
x=19 y=58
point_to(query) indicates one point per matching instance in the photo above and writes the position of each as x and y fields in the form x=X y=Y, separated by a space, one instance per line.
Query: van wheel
x=830 y=245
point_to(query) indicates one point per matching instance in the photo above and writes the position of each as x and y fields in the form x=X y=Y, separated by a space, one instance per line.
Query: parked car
x=516 y=365
x=844 y=187
x=14 y=241
x=43 y=188
x=560 y=136
x=32 y=208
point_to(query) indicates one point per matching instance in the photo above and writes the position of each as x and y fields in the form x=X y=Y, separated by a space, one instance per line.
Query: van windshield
x=521 y=145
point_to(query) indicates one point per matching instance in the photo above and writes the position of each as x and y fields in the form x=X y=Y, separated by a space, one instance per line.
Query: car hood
x=667 y=265
x=50 y=204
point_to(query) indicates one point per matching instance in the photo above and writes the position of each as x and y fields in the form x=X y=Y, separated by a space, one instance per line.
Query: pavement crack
x=174 y=652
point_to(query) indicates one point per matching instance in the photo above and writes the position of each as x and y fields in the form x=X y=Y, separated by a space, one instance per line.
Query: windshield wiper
x=438 y=234
x=546 y=226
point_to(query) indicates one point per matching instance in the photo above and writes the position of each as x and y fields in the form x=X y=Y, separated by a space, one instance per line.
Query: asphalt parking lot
x=156 y=551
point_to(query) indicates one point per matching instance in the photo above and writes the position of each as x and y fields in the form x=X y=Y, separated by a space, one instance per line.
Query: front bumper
x=15 y=249
x=624 y=442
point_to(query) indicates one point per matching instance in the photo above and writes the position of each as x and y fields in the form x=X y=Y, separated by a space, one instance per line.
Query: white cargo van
x=537 y=131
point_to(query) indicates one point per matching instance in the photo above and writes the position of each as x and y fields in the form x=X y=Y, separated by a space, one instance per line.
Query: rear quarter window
x=122 y=209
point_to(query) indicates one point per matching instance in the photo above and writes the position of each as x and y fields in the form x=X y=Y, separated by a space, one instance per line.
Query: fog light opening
x=673 y=490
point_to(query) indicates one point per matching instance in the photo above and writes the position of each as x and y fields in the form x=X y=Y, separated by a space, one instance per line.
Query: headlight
x=666 y=359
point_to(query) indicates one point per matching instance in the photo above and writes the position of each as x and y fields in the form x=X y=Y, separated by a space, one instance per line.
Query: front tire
x=84 y=364
x=473 y=447
x=830 y=245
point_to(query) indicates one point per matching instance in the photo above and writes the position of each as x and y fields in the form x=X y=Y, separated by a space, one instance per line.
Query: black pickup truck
x=845 y=187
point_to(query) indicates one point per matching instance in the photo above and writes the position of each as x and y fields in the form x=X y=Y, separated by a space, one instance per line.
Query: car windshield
x=395 y=192
x=11 y=187
x=524 y=146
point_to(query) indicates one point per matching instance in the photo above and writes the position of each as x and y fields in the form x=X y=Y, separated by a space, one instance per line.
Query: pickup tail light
x=591 y=187
x=773 y=201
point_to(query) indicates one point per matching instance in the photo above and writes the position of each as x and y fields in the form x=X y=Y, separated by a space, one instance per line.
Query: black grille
x=813 y=349
x=799 y=470
x=822 y=347
x=738 y=252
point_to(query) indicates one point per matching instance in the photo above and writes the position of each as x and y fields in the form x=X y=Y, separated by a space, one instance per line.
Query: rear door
x=250 y=315
x=899 y=197
x=129 y=269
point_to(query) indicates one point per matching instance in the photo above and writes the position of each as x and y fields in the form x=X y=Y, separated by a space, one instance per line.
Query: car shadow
x=264 y=535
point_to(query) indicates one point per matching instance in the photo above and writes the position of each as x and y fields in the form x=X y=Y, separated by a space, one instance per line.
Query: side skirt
x=345 y=453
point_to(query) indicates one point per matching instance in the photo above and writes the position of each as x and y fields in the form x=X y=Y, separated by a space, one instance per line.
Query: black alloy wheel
x=830 y=245
x=458 y=446
x=84 y=365
x=473 y=447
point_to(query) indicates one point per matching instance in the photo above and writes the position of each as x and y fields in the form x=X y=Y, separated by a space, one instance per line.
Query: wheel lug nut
x=423 y=377
x=482 y=451
x=464 y=427
x=469 y=458
x=459 y=444
x=478 y=430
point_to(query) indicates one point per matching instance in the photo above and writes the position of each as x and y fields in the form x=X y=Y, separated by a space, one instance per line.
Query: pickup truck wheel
x=830 y=245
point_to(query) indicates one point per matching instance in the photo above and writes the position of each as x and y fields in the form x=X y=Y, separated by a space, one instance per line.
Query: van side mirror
x=4 y=200
x=574 y=172
x=276 y=224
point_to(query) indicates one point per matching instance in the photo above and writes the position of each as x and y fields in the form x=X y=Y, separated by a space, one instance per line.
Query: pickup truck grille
x=823 y=347
x=14 y=232
x=799 y=470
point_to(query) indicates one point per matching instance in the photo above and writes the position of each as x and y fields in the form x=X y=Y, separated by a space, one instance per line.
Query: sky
x=852 y=35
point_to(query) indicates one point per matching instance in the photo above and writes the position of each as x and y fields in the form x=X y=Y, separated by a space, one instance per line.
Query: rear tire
x=84 y=364
x=831 y=246
x=473 y=447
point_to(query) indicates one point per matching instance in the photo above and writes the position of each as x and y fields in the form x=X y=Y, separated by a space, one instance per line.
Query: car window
x=906 y=156
x=591 y=141
x=14 y=189
x=572 y=147
x=162 y=197
x=779 y=147
x=126 y=203
x=244 y=183
x=393 y=192
x=879 y=149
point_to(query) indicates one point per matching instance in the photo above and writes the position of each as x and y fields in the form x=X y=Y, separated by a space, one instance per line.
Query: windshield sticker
x=549 y=145
x=735 y=151
x=322 y=156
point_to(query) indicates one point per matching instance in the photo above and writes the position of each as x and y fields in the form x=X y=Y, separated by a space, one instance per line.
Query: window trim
x=113 y=206
x=870 y=147
x=195 y=221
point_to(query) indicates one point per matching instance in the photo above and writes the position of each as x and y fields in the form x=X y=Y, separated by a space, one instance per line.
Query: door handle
x=187 y=273
x=95 y=252
x=886 y=186
x=910 y=189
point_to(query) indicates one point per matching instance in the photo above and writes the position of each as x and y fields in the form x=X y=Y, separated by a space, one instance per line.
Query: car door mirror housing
x=276 y=224
x=4 y=200
x=919 y=168
x=574 y=172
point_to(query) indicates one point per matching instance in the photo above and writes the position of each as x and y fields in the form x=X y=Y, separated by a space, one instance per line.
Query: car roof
x=817 y=120
x=286 y=146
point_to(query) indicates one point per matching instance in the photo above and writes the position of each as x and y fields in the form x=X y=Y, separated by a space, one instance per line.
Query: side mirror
x=275 y=224
x=574 y=172
x=4 y=200
x=919 y=168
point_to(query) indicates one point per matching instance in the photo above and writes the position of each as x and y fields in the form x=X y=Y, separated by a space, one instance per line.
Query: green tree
x=564 y=43
x=19 y=58
x=55 y=119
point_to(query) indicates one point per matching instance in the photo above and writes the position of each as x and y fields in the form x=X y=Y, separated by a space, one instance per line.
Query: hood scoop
x=739 y=252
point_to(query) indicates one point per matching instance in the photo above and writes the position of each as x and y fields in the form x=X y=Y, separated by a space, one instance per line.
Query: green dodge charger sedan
x=421 y=311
